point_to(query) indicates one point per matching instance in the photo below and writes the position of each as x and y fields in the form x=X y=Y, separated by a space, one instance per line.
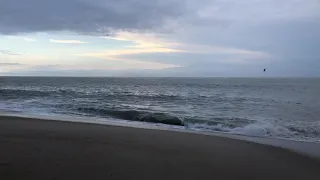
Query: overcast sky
x=160 y=37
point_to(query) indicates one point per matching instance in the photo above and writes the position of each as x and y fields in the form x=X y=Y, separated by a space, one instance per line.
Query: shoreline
x=41 y=149
x=306 y=148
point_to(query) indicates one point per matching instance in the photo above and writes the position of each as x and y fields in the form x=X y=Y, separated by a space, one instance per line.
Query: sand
x=42 y=149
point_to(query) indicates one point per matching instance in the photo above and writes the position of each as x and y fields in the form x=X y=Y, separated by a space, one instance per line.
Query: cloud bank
x=86 y=16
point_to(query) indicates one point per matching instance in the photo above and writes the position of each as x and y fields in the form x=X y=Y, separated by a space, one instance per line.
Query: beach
x=44 y=149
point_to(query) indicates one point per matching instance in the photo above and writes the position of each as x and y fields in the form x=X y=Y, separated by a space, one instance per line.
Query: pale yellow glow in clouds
x=144 y=44
x=149 y=43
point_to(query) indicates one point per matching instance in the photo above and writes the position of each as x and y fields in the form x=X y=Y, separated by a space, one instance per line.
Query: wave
x=240 y=126
x=41 y=92
x=163 y=118
x=262 y=129
x=134 y=115
x=258 y=129
x=227 y=125
x=308 y=130
x=17 y=93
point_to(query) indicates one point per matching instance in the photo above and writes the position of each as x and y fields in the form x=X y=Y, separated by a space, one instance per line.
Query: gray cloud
x=99 y=16
x=85 y=16
x=10 y=64
x=7 y=52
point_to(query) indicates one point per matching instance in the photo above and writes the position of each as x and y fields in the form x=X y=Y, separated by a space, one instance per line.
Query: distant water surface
x=280 y=108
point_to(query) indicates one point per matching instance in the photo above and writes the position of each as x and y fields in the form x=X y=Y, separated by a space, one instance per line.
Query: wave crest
x=134 y=115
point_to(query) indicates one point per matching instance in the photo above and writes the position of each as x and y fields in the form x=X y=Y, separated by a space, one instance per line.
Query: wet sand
x=42 y=149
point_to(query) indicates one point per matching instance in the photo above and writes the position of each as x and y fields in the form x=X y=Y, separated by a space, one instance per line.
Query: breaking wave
x=134 y=115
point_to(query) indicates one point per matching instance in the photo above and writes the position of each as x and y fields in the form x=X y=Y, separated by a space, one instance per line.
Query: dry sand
x=42 y=149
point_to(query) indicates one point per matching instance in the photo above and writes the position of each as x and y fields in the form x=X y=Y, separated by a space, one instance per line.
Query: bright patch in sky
x=67 y=41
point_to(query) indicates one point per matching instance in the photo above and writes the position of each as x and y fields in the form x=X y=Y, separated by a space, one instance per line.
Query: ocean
x=264 y=107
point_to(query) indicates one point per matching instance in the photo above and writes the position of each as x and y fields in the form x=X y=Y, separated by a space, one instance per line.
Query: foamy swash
x=283 y=108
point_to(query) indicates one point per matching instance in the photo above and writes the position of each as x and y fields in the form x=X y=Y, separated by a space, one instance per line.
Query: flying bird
x=264 y=70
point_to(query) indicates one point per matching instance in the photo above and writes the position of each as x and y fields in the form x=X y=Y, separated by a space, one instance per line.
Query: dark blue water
x=284 y=108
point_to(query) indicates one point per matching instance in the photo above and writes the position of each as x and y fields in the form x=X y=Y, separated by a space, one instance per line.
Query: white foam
x=257 y=129
x=263 y=129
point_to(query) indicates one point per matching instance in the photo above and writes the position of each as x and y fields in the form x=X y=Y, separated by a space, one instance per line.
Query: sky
x=180 y=38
